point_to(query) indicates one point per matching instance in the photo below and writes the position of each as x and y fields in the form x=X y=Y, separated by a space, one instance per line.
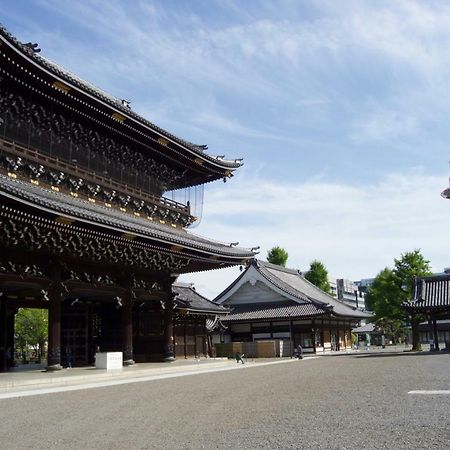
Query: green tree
x=383 y=298
x=31 y=329
x=318 y=275
x=278 y=256
x=391 y=288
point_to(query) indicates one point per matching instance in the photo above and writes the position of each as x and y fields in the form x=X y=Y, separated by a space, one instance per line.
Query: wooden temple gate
x=85 y=229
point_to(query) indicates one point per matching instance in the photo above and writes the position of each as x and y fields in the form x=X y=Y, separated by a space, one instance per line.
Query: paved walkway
x=31 y=378
x=18 y=382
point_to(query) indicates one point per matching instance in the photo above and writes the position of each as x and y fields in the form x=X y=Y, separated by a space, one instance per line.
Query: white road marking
x=430 y=392
x=93 y=385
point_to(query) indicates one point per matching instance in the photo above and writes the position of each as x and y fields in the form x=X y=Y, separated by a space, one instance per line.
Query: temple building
x=432 y=300
x=92 y=226
x=195 y=321
x=270 y=302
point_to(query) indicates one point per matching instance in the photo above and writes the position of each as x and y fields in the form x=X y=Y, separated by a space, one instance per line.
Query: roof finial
x=34 y=47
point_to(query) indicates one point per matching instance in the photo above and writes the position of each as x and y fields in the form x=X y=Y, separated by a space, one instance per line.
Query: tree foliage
x=391 y=288
x=31 y=329
x=318 y=275
x=278 y=256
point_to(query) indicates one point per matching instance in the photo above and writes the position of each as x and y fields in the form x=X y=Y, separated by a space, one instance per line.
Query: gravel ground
x=336 y=402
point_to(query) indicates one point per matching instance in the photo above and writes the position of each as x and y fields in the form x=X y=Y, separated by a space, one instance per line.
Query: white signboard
x=109 y=360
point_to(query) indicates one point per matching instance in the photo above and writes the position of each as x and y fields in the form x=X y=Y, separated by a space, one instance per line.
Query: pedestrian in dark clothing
x=69 y=357
x=299 y=352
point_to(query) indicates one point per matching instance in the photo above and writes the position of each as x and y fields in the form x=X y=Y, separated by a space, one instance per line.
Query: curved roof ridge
x=60 y=203
x=278 y=267
x=281 y=284
x=197 y=302
x=111 y=99
x=323 y=299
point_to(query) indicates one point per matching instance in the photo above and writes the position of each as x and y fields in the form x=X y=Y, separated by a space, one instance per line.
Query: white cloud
x=384 y=125
x=271 y=57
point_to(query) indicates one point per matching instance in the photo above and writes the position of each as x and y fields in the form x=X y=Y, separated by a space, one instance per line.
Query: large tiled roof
x=63 y=204
x=430 y=293
x=103 y=96
x=195 y=302
x=268 y=311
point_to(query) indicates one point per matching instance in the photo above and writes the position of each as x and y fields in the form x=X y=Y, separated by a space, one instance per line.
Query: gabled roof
x=430 y=294
x=193 y=302
x=293 y=286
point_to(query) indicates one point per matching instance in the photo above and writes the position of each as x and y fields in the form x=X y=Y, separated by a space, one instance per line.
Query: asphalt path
x=333 y=402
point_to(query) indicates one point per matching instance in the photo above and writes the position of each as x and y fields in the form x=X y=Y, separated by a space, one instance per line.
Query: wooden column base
x=128 y=356
x=169 y=353
x=54 y=361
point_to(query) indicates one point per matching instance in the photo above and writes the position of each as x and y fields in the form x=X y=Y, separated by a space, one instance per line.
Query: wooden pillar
x=127 y=327
x=195 y=338
x=55 y=294
x=3 y=335
x=10 y=320
x=430 y=331
x=90 y=335
x=322 y=336
x=291 y=337
x=185 y=336
x=169 y=354
x=435 y=335
x=314 y=334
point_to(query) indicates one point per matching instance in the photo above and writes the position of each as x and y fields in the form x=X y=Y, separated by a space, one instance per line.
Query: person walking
x=299 y=352
x=68 y=357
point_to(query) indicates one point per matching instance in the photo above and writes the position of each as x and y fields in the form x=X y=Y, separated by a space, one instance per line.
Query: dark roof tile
x=274 y=311
x=430 y=293
x=197 y=303
x=60 y=203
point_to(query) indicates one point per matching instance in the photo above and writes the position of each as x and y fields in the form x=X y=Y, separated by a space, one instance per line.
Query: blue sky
x=340 y=110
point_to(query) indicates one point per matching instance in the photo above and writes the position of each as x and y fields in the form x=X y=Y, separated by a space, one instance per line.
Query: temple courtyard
x=391 y=399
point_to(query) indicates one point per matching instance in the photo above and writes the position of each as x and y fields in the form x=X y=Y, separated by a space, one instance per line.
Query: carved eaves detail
x=60 y=241
x=158 y=209
x=39 y=120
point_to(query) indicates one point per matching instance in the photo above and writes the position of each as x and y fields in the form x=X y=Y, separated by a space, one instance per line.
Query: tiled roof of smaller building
x=294 y=283
x=270 y=311
x=430 y=293
x=195 y=302
x=58 y=202
x=368 y=328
